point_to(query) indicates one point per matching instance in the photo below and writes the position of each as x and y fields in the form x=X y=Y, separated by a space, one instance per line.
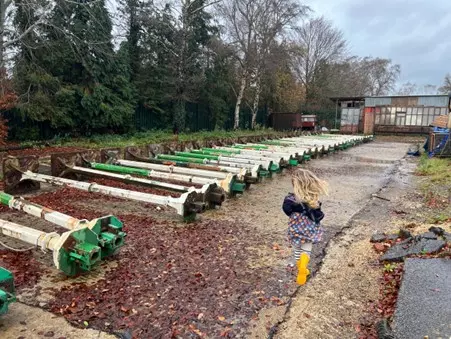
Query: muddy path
x=336 y=302
x=225 y=275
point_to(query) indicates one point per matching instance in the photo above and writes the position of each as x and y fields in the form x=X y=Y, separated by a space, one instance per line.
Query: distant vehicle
x=289 y=121
x=308 y=122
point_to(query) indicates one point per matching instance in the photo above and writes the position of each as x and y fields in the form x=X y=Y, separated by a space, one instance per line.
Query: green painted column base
x=264 y=174
x=274 y=168
x=110 y=234
x=293 y=162
x=7 y=293
x=80 y=252
x=189 y=217
x=237 y=187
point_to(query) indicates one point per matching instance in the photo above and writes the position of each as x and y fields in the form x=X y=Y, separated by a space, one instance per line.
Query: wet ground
x=224 y=275
x=424 y=302
x=334 y=304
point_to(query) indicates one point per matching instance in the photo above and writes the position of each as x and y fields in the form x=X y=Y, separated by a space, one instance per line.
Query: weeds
x=389 y=267
x=436 y=186
x=438 y=170
x=439 y=219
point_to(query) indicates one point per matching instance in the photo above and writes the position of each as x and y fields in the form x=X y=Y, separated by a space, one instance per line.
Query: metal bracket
x=13 y=167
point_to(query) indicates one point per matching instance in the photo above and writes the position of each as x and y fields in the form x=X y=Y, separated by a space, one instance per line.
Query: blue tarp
x=440 y=130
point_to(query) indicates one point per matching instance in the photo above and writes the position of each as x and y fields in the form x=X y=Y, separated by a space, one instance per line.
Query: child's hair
x=308 y=187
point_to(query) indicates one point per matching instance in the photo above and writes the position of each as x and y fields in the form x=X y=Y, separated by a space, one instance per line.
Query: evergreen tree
x=216 y=93
x=91 y=88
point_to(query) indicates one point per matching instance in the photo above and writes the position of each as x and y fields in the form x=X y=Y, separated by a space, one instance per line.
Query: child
x=304 y=209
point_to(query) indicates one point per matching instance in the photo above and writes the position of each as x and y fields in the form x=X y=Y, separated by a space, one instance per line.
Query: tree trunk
x=239 y=99
x=180 y=111
x=179 y=115
x=256 y=101
x=3 y=8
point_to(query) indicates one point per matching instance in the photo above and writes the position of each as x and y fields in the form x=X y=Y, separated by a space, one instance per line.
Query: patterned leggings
x=302 y=248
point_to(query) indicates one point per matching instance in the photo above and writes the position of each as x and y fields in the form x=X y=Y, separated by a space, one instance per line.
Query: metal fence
x=351 y=118
x=198 y=118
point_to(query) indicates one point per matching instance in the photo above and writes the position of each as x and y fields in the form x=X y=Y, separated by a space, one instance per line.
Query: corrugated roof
x=377 y=101
x=410 y=100
x=435 y=101
x=409 y=96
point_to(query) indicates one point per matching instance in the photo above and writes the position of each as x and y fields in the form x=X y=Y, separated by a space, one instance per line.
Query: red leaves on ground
x=379 y=247
x=174 y=280
x=390 y=283
x=118 y=184
x=23 y=266
x=435 y=201
x=384 y=307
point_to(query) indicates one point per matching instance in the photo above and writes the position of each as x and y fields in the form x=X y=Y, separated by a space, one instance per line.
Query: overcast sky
x=415 y=34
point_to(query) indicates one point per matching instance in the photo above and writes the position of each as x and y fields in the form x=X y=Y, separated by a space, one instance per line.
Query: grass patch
x=436 y=186
x=149 y=137
x=437 y=170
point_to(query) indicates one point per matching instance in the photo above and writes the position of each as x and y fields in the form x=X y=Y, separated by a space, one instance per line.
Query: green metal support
x=234 y=186
x=108 y=228
x=83 y=255
x=180 y=158
x=74 y=251
x=218 y=151
x=266 y=164
x=119 y=169
x=274 y=167
x=275 y=143
x=260 y=172
x=7 y=291
x=256 y=147
x=197 y=156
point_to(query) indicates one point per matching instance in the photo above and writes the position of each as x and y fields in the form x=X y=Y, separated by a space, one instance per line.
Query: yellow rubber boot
x=303 y=272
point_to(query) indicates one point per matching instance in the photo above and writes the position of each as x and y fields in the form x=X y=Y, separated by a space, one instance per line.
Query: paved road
x=424 y=303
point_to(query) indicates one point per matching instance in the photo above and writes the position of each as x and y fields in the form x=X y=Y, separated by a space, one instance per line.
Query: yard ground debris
x=224 y=275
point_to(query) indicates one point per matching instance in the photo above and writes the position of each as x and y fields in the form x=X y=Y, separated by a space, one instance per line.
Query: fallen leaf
x=379 y=247
x=225 y=332
x=221 y=318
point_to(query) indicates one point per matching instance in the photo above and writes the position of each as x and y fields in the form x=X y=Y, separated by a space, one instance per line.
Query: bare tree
x=316 y=43
x=382 y=75
x=407 y=88
x=252 y=26
x=368 y=76
x=8 y=35
x=446 y=87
